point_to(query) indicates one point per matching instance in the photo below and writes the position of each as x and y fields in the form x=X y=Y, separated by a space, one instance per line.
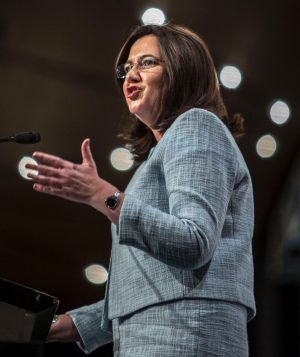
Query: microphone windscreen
x=27 y=138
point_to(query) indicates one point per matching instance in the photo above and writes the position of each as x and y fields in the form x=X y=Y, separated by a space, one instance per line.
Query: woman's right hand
x=63 y=330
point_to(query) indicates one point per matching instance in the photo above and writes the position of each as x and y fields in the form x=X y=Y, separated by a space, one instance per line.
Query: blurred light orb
x=121 y=159
x=23 y=171
x=230 y=77
x=153 y=16
x=279 y=112
x=266 y=146
x=96 y=274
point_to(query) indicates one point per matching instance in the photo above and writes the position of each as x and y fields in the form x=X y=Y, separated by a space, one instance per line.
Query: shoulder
x=200 y=126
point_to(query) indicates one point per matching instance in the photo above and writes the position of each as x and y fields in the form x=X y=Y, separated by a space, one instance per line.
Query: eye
x=127 y=67
x=148 y=62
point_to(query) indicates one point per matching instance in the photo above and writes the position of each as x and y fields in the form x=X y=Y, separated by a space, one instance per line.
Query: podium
x=26 y=315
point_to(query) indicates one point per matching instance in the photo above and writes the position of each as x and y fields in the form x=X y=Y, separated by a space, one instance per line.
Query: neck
x=156 y=134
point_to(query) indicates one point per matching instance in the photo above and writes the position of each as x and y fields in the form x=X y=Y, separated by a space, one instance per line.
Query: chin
x=140 y=114
x=136 y=110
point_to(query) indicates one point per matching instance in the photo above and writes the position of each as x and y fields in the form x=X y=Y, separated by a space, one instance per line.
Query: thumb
x=87 y=157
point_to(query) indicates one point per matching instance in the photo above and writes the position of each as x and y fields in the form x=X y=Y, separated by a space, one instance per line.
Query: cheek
x=123 y=89
x=155 y=93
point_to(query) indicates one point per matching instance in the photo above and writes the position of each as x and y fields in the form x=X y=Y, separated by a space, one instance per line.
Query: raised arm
x=75 y=182
x=199 y=163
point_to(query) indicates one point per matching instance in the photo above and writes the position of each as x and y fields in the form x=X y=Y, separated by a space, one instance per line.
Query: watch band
x=112 y=201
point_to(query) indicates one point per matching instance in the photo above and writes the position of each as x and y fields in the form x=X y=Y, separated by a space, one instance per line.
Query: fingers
x=59 y=163
x=64 y=330
x=43 y=170
x=46 y=180
x=55 y=178
x=87 y=157
x=51 y=160
x=47 y=189
x=50 y=166
x=62 y=192
x=58 y=177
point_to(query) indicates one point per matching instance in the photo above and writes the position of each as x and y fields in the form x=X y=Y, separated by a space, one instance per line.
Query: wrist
x=113 y=201
x=108 y=200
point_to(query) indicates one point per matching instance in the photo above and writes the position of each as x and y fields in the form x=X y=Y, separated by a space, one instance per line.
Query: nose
x=133 y=75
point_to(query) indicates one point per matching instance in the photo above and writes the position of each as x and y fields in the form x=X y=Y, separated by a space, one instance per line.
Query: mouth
x=133 y=92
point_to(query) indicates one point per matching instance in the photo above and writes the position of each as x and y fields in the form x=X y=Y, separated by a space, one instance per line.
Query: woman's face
x=142 y=86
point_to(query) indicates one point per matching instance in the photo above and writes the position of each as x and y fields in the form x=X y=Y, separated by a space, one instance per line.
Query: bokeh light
x=96 y=274
x=279 y=112
x=230 y=77
x=121 y=159
x=266 y=146
x=153 y=16
x=23 y=171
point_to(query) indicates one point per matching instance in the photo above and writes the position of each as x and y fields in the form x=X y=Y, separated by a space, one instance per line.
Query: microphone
x=23 y=138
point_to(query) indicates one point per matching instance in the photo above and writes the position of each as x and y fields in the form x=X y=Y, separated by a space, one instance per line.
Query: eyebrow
x=142 y=57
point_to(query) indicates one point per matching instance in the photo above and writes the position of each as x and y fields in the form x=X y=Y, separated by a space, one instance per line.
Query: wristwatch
x=112 y=201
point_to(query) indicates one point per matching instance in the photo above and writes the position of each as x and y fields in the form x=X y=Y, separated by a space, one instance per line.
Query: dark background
x=56 y=77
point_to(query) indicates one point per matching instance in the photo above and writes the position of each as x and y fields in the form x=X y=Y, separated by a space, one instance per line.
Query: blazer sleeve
x=87 y=320
x=199 y=164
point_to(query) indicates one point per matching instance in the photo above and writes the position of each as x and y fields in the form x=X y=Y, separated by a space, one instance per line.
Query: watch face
x=111 y=202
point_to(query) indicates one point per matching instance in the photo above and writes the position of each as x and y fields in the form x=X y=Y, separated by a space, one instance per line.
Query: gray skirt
x=183 y=328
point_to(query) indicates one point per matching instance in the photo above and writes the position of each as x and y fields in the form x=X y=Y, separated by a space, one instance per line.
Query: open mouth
x=133 y=92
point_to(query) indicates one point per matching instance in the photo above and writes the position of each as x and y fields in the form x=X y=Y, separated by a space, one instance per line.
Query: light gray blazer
x=185 y=228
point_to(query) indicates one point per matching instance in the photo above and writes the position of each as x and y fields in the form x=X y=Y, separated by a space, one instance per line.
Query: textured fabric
x=186 y=223
x=87 y=319
x=185 y=227
x=189 y=328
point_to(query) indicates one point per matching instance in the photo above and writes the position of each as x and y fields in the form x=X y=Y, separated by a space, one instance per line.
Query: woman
x=181 y=273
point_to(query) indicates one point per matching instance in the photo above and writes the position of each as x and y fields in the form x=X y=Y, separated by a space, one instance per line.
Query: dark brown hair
x=189 y=81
